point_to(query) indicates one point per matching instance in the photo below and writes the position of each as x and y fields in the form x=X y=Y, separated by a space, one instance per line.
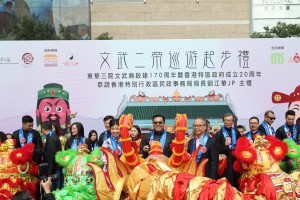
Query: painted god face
x=54 y=110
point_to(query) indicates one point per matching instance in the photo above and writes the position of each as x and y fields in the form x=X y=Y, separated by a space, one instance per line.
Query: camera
x=44 y=173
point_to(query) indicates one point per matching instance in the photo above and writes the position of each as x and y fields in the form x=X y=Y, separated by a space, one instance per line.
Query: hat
x=278 y=97
x=52 y=90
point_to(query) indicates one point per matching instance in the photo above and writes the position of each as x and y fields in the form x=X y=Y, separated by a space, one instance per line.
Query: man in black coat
x=207 y=148
x=27 y=135
x=265 y=128
x=289 y=129
x=158 y=134
x=226 y=140
x=52 y=146
x=106 y=134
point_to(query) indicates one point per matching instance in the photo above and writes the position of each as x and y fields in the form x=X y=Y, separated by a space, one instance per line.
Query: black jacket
x=52 y=146
x=36 y=140
x=101 y=138
x=166 y=151
x=262 y=130
x=49 y=196
x=212 y=153
x=281 y=135
x=223 y=149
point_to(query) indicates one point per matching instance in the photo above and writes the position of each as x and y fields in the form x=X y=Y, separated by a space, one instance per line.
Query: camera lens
x=54 y=178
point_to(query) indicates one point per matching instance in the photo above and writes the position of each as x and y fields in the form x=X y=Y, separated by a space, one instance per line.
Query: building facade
x=171 y=19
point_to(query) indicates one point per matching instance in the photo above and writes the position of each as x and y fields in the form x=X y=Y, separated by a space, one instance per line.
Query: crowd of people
x=212 y=145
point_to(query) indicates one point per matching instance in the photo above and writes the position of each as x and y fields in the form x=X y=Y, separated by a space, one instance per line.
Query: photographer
x=52 y=146
x=25 y=194
x=47 y=187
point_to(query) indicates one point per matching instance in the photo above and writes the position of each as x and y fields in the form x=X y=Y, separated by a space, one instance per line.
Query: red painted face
x=53 y=110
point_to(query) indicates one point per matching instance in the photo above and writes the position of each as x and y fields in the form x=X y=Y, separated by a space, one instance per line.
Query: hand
x=46 y=185
x=228 y=141
x=146 y=148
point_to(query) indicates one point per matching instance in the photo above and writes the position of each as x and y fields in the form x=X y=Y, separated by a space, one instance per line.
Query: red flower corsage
x=23 y=140
x=203 y=149
x=118 y=151
x=289 y=134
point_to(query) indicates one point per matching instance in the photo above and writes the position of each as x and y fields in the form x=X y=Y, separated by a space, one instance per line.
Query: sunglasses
x=159 y=122
x=271 y=118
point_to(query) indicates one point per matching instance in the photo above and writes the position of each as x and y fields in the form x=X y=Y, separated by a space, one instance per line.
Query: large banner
x=68 y=81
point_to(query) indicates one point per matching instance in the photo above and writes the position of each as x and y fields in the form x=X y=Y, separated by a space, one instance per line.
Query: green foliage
x=104 y=36
x=65 y=33
x=281 y=30
x=261 y=35
x=30 y=29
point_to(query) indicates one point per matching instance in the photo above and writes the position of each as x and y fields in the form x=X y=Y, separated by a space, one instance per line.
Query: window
x=118 y=1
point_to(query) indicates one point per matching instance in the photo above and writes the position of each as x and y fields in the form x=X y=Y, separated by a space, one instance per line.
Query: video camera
x=43 y=173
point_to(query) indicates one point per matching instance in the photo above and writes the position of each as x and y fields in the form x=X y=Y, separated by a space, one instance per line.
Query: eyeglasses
x=271 y=118
x=159 y=122
x=253 y=123
x=198 y=125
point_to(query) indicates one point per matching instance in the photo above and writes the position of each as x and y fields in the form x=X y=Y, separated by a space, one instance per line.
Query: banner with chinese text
x=103 y=77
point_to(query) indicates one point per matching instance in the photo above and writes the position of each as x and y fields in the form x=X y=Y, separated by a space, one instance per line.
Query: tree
x=65 y=33
x=281 y=30
x=30 y=29
x=104 y=36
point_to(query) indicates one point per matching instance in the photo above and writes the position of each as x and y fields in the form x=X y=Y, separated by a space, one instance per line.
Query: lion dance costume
x=17 y=170
x=261 y=176
x=79 y=180
x=291 y=164
x=157 y=177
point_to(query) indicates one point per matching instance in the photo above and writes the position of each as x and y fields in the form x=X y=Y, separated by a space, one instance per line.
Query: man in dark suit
x=265 y=128
x=289 y=129
x=52 y=146
x=106 y=134
x=27 y=135
x=207 y=147
x=158 y=134
x=226 y=139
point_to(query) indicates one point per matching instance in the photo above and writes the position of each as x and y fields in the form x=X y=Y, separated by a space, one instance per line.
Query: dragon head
x=181 y=122
x=126 y=121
